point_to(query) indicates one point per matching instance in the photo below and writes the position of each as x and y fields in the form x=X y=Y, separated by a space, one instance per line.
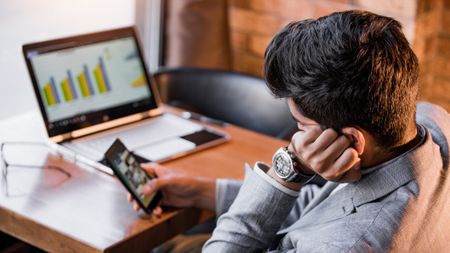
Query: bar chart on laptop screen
x=79 y=80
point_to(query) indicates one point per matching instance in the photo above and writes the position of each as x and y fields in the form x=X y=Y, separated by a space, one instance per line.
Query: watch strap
x=298 y=177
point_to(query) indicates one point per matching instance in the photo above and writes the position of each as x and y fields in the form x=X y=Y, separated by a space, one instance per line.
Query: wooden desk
x=89 y=212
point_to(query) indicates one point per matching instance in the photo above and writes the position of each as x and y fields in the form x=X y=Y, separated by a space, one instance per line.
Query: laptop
x=94 y=88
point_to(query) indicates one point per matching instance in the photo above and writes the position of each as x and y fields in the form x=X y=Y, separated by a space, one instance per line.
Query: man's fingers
x=157 y=211
x=344 y=163
x=321 y=160
x=149 y=168
x=150 y=165
x=331 y=154
x=157 y=184
x=155 y=168
x=130 y=199
x=325 y=139
x=301 y=139
x=327 y=153
x=136 y=206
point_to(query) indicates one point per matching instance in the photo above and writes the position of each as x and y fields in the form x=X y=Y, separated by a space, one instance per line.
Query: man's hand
x=326 y=153
x=179 y=190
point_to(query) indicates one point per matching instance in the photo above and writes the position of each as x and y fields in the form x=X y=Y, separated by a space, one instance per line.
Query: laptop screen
x=86 y=80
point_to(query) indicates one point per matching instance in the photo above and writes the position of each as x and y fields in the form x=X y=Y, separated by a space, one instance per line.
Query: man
x=350 y=80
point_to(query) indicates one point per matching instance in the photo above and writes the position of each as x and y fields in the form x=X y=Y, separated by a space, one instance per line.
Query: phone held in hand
x=126 y=167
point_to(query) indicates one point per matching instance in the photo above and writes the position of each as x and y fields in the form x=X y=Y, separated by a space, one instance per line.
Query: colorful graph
x=140 y=81
x=84 y=81
x=84 y=84
x=101 y=77
x=68 y=88
x=50 y=93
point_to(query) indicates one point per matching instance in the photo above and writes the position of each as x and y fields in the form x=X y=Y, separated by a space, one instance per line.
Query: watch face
x=282 y=165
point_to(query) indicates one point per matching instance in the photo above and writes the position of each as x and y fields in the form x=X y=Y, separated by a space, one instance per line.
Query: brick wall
x=432 y=46
x=253 y=22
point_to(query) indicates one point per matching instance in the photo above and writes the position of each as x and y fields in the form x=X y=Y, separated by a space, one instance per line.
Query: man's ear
x=359 y=141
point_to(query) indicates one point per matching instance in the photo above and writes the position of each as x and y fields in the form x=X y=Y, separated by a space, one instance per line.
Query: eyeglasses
x=15 y=156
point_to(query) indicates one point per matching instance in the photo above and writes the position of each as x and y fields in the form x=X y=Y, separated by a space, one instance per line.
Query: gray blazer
x=361 y=217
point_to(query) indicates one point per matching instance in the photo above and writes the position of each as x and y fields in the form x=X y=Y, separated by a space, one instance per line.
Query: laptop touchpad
x=164 y=149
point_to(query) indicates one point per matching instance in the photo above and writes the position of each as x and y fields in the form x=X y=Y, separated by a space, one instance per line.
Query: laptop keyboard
x=162 y=128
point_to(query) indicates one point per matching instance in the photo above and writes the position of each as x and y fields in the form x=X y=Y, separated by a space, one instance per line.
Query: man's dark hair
x=350 y=68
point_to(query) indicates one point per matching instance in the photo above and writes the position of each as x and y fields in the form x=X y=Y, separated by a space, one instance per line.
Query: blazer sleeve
x=226 y=192
x=228 y=189
x=307 y=193
x=251 y=223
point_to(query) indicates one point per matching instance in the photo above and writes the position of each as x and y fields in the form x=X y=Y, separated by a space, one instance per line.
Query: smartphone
x=127 y=168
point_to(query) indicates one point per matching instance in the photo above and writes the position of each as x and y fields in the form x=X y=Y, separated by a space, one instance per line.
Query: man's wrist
x=206 y=195
x=291 y=185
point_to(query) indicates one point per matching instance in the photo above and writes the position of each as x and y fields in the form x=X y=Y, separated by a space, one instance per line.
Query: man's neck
x=411 y=141
x=380 y=155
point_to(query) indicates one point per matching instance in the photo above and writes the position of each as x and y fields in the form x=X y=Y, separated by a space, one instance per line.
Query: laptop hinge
x=106 y=125
x=60 y=138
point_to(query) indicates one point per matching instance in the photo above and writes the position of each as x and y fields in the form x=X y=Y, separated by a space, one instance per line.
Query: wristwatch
x=285 y=165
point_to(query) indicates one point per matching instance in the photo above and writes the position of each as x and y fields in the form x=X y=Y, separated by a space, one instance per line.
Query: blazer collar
x=390 y=175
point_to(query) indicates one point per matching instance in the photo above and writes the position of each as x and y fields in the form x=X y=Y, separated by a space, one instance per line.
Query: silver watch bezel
x=293 y=175
x=283 y=153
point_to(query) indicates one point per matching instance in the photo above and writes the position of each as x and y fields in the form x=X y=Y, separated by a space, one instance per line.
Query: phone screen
x=126 y=166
